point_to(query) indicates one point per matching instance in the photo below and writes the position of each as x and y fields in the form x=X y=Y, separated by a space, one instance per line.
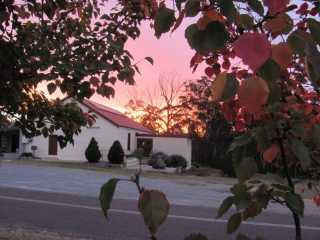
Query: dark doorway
x=146 y=144
x=129 y=142
x=14 y=143
x=53 y=145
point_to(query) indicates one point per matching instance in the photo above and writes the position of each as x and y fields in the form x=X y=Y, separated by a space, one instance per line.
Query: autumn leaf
x=253 y=94
x=282 y=54
x=253 y=48
x=276 y=6
x=281 y=24
x=271 y=153
x=209 y=71
x=209 y=16
x=224 y=87
x=178 y=21
x=94 y=81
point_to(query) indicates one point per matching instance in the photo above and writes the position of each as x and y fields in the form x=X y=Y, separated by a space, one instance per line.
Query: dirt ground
x=24 y=234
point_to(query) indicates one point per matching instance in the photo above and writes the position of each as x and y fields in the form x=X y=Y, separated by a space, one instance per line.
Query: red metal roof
x=114 y=116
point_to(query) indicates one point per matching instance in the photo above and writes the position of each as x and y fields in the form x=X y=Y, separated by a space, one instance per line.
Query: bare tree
x=159 y=108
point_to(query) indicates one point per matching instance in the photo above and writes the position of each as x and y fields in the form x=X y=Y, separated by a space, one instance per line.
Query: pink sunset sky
x=171 y=55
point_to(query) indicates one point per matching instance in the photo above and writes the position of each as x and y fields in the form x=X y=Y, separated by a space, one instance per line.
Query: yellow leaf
x=253 y=94
x=218 y=86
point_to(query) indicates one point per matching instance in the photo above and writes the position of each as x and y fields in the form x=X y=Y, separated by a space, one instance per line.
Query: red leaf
x=276 y=6
x=253 y=48
x=282 y=54
x=196 y=59
x=94 y=81
x=253 y=94
x=240 y=125
x=216 y=68
x=303 y=9
x=271 y=153
x=227 y=110
x=226 y=64
x=209 y=71
x=178 y=21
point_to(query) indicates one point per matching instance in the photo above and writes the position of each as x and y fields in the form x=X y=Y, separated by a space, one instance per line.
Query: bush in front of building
x=93 y=154
x=116 y=153
x=176 y=161
x=155 y=156
x=159 y=164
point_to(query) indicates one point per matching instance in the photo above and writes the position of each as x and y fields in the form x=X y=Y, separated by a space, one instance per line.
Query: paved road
x=81 y=216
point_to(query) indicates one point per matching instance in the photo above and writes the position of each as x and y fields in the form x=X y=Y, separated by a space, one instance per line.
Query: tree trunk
x=296 y=217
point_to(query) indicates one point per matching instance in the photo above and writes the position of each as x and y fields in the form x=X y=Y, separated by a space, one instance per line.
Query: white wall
x=103 y=131
x=173 y=145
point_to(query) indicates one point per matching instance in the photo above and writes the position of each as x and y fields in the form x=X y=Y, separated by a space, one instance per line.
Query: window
x=53 y=145
x=129 y=142
x=146 y=144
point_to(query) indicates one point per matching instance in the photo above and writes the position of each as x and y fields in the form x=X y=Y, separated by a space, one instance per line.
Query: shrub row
x=160 y=160
x=115 y=155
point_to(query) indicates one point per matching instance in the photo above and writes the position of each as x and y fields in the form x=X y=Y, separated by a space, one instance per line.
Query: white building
x=110 y=125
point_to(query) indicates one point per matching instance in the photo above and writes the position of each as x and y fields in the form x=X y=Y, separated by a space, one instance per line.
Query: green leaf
x=106 y=195
x=225 y=206
x=261 y=137
x=192 y=8
x=246 y=169
x=238 y=188
x=300 y=151
x=178 y=4
x=51 y=87
x=314 y=27
x=256 y=6
x=231 y=87
x=312 y=62
x=297 y=41
x=240 y=141
x=242 y=200
x=275 y=94
x=316 y=136
x=295 y=203
x=297 y=128
x=281 y=187
x=154 y=208
x=245 y=21
x=234 y=223
x=269 y=71
x=227 y=8
x=197 y=236
x=224 y=87
x=213 y=38
x=163 y=20
x=149 y=59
